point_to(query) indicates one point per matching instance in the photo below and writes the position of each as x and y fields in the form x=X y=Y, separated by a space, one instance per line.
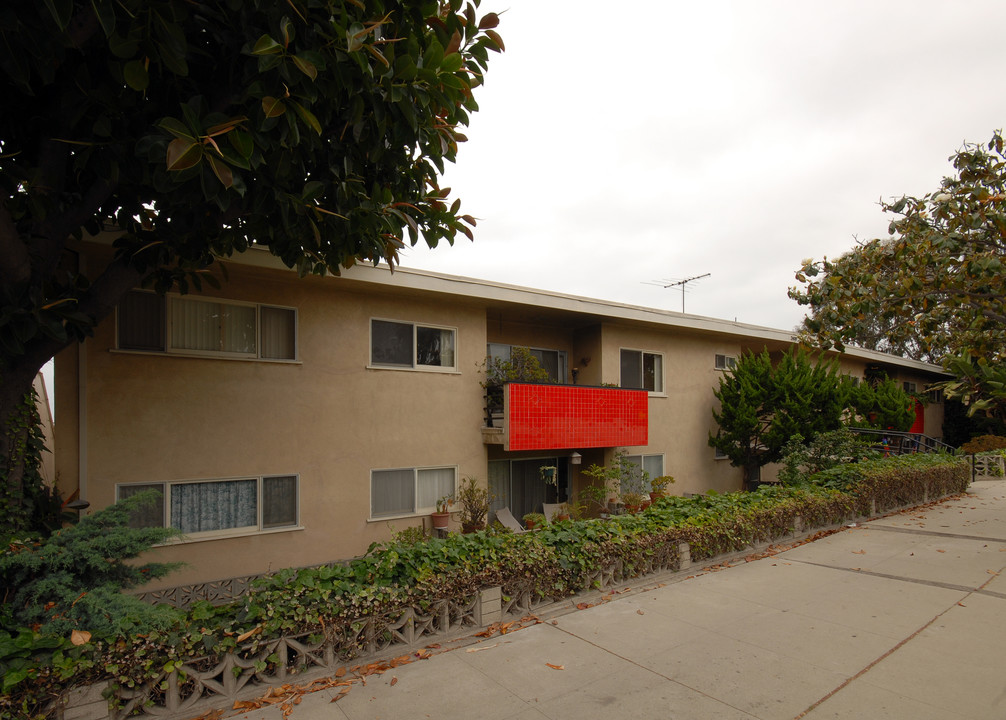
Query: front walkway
x=902 y=617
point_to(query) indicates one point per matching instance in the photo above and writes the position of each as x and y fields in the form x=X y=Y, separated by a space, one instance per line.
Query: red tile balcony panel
x=549 y=417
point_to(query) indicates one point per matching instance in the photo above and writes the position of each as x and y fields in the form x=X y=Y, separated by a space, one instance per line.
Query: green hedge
x=556 y=562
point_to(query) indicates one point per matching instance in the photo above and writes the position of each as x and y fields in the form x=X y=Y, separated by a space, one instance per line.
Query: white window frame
x=656 y=391
x=415 y=367
x=719 y=454
x=416 y=511
x=724 y=362
x=935 y=396
x=167 y=319
x=909 y=387
x=257 y=529
x=642 y=465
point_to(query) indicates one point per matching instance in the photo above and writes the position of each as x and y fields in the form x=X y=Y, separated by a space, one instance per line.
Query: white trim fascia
x=486 y=290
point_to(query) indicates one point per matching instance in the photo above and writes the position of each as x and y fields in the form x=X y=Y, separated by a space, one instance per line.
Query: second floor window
x=410 y=345
x=552 y=361
x=642 y=370
x=725 y=362
x=200 y=326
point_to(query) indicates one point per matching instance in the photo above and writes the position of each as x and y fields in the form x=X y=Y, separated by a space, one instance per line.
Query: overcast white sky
x=619 y=145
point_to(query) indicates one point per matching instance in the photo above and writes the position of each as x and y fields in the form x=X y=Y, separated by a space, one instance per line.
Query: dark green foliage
x=27 y=505
x=72 y=579
x=984 y=443
x=555 y=562
x=316 y=130
x=839 y=447
x=892 y=407
x=763 y=404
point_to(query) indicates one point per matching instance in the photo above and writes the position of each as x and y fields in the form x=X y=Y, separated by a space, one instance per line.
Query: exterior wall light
x=576 y=458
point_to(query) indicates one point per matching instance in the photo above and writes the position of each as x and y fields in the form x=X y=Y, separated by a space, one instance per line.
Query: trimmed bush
x=565 y=558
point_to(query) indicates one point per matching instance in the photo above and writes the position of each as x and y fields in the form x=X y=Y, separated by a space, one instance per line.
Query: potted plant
x=522 y=366
x=443 y=513
x=475 y=501
x=550 y=474
x=632 y=500
x=534 y=520
x=658 y=486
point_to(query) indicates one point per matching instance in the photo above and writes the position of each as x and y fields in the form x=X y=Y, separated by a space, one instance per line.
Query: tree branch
x=15 y=263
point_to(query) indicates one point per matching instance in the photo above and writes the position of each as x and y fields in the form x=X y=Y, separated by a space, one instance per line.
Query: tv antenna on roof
x=674 y=283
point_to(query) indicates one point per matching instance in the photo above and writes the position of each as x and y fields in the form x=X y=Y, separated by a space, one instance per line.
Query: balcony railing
x=534 y=416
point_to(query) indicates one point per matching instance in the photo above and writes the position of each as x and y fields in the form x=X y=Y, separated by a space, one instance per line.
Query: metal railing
x=894 y=442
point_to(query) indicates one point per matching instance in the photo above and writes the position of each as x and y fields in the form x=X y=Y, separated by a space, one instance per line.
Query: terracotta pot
x=654 y=496
x=440 y=520
x=530 y=525
x=558 y=518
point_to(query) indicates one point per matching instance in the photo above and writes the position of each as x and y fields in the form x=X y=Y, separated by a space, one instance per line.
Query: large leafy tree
x=762 y=404
x=191 y=130
x=934 y=288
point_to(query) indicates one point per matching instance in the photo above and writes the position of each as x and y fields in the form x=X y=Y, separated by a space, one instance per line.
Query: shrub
x=984 y=443
x=72 y=579
x=827 y=450
x=335 y=601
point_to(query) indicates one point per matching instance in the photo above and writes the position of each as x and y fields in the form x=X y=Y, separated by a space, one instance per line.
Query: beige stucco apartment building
x=290 y=422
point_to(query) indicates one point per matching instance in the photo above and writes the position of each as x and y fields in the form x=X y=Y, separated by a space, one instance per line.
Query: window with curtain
x=151 y=323
x=408 y=345
x=641 y=370
x=241 y=504
x=409 y=491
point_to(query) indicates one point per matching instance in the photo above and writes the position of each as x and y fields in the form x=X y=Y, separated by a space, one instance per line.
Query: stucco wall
x=327 y=418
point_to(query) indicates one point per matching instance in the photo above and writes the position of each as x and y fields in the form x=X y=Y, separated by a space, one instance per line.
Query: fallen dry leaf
x=80 y=637
x=340 y=672
x=245 y=635
x=640 y=612
x=555 y=667
x=480 y=649
x=859 y=552
x=394 y=681
x=583 y=606
x=942 y=551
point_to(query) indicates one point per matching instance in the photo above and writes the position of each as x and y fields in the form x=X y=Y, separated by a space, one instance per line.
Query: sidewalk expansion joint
x=902 y=578
x=848 y=681
x=650 y=670
x=956 y=536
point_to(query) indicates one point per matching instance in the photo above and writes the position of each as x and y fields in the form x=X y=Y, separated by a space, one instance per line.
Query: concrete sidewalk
x=902 y=617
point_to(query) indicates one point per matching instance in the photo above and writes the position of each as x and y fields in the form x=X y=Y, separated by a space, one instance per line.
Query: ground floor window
x=652 y=465
x=216 y=506
x=518 y=485
x=410 y=491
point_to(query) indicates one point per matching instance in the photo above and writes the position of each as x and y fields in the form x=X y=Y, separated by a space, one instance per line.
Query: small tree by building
x=763 y=404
